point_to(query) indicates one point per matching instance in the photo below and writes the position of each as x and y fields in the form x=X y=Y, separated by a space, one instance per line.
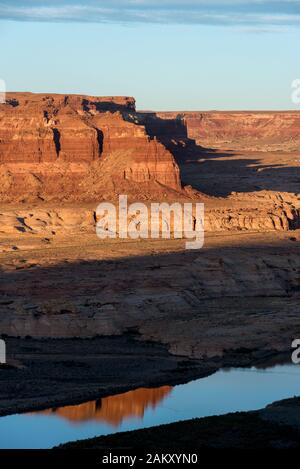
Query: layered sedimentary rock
x=45 y=139
x=236 y=130
x=136 y=156
x=37 y=128
x=235 y=214
x=243 y=294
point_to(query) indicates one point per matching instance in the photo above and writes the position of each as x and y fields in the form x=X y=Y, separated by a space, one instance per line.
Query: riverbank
x=48 y=373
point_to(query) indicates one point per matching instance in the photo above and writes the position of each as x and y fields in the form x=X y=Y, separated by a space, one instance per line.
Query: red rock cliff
x=39 y=129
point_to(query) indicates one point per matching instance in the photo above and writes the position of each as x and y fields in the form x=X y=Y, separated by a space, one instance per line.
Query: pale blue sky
x=170 y=55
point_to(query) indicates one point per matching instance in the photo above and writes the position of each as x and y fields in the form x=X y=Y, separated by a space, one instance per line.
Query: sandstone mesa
x=76 y=148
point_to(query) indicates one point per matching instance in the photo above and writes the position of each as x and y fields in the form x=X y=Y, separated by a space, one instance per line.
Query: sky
x=168 y=54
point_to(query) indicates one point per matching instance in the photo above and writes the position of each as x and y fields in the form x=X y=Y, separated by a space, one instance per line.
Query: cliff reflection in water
x=114 y=409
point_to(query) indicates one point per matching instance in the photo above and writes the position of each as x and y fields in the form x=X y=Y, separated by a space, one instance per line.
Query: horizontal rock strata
x=45 y=139
x=252 y=131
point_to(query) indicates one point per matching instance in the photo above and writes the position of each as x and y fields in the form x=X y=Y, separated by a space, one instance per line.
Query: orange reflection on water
x=114 y=409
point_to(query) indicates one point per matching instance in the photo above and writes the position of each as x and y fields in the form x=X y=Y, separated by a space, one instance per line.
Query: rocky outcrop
x=36 y=128
x=249 y=216
x=136 y=156
x=49 y=138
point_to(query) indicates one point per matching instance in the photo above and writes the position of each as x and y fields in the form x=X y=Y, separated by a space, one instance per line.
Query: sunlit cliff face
x=114 y=409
